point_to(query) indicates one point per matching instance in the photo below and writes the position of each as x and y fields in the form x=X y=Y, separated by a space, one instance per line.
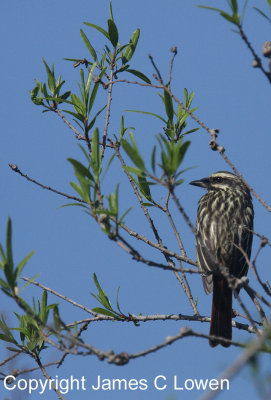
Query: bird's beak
x=204 y=183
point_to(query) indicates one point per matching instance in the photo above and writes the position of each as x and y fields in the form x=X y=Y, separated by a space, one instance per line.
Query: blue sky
x=213 y=62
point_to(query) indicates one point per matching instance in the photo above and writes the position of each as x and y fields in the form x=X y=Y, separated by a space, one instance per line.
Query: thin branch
x=75 y=131
x=256 y=303
x=174 y=51
x=49 y=379
x=240 y=362
x=182 y=212
x=108 y=107
x=156 y=246
x=213 y=143
x=253 y=267
x=138 y=257
x=77 y=134
x=156 y=68
x=255 y=55
x=14 y=355
x=16 y=169
x=61 y=296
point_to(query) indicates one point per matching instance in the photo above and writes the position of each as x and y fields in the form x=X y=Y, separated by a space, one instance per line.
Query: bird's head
x=221 y=180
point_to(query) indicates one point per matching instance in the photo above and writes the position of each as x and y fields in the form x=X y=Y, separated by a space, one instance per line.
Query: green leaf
x=234 y=6
x=88 y=45
x=124 y=214
x=95 y=154
x=108 y=165
x=153 y=159
x=262 y=13
x=168 y=105
x=179 y=182
x=129 y=52
x=22 y=264
x=148 y=113
x=139 y=74
x=234 y=19
x=102 y=311
x=13 y=349
x=94 y=91
x=80 y=169
x=134 y=170
x=113 y=32
x=56 y=317
x=4 y=284
x=44 y=300
x=111 y=11
x=6 y=338
x=98 y=28
x=102 y=295
x=29 y=282
x=190 y=131
x=210 y=8
x=77 y=189
x=113 y=201
x=133 y=153
x=78 y=105
x=9 y=245
x=144 y=187
x=78 y=116
x=9 y=276
x=182 y=151
x=4 y=260
x=74 y=204
x=51 y=77
x=92 y=122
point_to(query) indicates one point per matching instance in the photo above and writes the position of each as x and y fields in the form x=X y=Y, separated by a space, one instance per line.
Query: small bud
x=266 y=49
x=96 y=79
x=255 y=63
x=174 y=49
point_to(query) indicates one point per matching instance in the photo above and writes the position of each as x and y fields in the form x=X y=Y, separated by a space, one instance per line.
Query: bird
x=224 y=226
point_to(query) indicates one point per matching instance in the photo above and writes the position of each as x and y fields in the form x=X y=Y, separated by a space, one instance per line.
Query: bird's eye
x=218 y=179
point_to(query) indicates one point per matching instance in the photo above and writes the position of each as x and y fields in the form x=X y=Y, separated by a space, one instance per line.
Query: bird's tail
x=221 y=318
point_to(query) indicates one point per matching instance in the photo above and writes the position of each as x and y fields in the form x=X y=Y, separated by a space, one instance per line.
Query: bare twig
x=16 y=169
x=43 y=370
x=75 y=131
x=156 y=68
x=61 y=296
x=253 y=267
x=255 y=55
x=240 y=362
x=138 y=257
x=256 y=303
x=174 y=51
x=14 y=355
x=108 y=108
x=214 y=144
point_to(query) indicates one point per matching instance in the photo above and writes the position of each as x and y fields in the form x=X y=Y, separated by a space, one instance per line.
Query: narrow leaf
x=140 y=75
x=148 y=113
x=9 y=244
x=88 y=45
x=80 y=169
x=168 y=105
x=113 y=32
x=129 y=52
x=22 y=264
x=95 y=153
x=153 y=159
x=98 y=28
x=102 y=311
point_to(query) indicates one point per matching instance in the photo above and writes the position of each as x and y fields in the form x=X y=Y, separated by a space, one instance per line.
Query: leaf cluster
x=107 y=308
